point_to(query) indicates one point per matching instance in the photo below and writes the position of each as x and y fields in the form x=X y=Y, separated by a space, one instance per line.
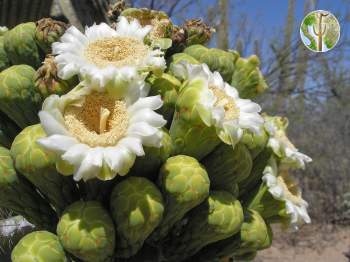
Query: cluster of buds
x=136 y=142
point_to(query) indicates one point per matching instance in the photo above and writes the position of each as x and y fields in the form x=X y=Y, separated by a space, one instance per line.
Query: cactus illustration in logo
x=320 y=31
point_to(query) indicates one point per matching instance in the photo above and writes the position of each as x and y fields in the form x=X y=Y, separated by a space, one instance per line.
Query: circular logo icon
x=320 y=31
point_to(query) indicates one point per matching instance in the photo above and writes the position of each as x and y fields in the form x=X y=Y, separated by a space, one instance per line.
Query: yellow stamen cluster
x=116 y=51
x=99 y=121
x=227 y=102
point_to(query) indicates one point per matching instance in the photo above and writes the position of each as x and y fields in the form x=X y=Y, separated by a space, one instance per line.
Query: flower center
x=290 y=188
x=115 y=51
x=227 y=102
x=99 y=121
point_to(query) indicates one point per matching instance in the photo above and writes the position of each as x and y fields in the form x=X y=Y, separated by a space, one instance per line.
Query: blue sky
x=267 y=16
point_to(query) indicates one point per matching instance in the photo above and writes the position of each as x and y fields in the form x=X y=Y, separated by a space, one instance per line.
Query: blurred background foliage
x=311 y=89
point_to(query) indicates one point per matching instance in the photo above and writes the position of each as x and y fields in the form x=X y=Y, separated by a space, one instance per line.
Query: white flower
x=219 y=103
x=282 y=187
x=102 y=52
x=281 y=145
x=99 y=132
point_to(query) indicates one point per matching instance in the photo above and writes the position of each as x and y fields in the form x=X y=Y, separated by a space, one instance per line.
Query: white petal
x=119 y=159
x=151 y=102
x=154 y=140
x=149 y=116
x=90 y=166
x=57 y=143
x=51 y=125
x=76 y=154
x=141 y=129
x=134 y=144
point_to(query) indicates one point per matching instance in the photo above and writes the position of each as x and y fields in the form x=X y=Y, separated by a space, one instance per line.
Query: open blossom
x=99 y=53
x=284 y=188
x=99 y=132
x=219 y=103
x=281 y=145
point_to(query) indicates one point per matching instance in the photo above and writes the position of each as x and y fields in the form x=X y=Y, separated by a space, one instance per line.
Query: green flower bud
x=176 y=58
x=20 y=45
x=184 y=184
x=227 y=166
x=149 y=164
x=137 y=208
x=3 y=30
x=216 y=59
x=197 y=32
x=47 y=81
x=47 y=32
x=254 y=235
x=217 y=218
x=19 y=99
x=38 y=166
x=19 y=196
x=39 y=246
x=188 y=126
x=247 y=77
x=255 y=142
x=86 y=230
x=4 y=60
x=167 y=87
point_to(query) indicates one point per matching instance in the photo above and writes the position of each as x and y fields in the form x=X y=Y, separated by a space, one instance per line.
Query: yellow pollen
x=99 y=121
x=227 y=102
x=290 y=187
x=116 y=51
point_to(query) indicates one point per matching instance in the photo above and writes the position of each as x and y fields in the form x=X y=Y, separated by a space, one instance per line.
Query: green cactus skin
x=38 y=166
x=255 y=142
x=188 y=132
x=167 y=87
x=39 y=246
x=216 y=59
x=21 y=47
x=148 y=165
x=48 y=31
x=96 y=189
x=137 y=209
x=47 y=81
x=227 y=166
x=254 y=235
x=146 y=254
x=19 y=196
x=247 y=77
x=176 y=58
x=254 y=178
x=4 y=60
x=19 y=99
x=86 y=230
x=184 y=184
x=8 y=130
x=217 y=218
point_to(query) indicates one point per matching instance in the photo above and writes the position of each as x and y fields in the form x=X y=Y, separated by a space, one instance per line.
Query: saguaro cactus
x=321 y=30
